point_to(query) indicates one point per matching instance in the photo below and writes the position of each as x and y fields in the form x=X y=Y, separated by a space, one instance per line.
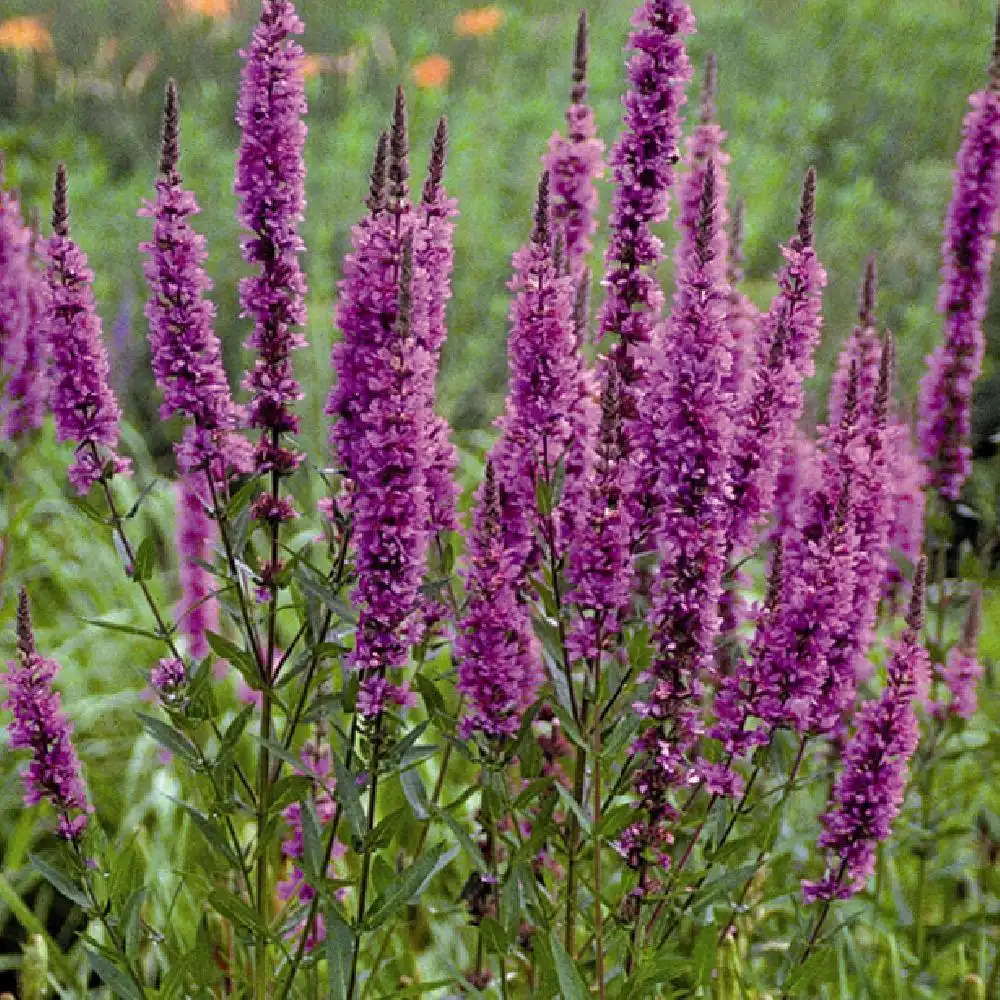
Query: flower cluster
x=196 y=532
x=84 y=406
x=574 y=163
x=499 y=672
x=685 y=439
x=868 y=792
x=543 y=418
x=946 y=390
x=23 y=380
x=270 y=187
x=787 y=337
x=642 y=163
x=40 y=726
x=186 y=353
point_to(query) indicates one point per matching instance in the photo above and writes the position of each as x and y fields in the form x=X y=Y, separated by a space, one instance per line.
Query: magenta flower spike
x=270 y=188
x=946 y=389
x=744 y=318
x=541 y=419
x=788 y=335
x=434 y=256
x=575 y=162
x=962 y=670
x=685 y=440
x=868 y=792
x=186 y=353
x=84 y=406
x=499 y=669
x=599 y=571
x=642 y=163
x=23 y=305
x=196 y=535
x=40 y=726
x=387 y=466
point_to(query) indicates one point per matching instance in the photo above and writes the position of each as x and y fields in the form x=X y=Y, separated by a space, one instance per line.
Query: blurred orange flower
x=215 y=9
x=313 y=64
x=25 y=34
x=477 y=21
x=432 y=72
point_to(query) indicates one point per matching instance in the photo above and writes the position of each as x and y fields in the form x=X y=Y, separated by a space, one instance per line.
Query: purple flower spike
x=868 y=793
x=962 y=671
x=642 y=162
x=788 y=335
x=575 y=162
x=599 y=571
x=946 y=389
x=542 y=419
x=270 y=186
x=196 y=533
x=434 y=255
x=85 y=408
x=744 y=318
x=387 y=466
x=39 y=725
x=499 y=672
x=23 y=305
x=685 y=434
x=187 y=356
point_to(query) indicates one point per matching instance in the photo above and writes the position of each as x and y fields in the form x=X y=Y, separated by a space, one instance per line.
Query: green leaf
x=570 y=982
x=574 y=807
x=212 y=832
x=312 y=842
x=240 y=659
x=339 y=950
x=407 y=887
x=87 y=509
x=127 y=629
x=145 y=560
x=120 y=983
x=465 y=841
x=61 y=883
x=349 y=799
x=170 y=739
x=416 y=794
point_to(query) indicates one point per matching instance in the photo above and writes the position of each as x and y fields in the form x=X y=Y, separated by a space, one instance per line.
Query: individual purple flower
x=168 y=678
x=23 y=304
x=642 y=163
x=186 y=353
x=85 y=408
x=434 y=258
x=946 y=389
x=196 y=534
x=787 y=338
x=270 y=187
x=499 y=671
x=861 y=350
x=599 y=571
x=544 y=394
x=962 y=671
x=685 y=439
x=868 y=792
x=39 y=725
x=575 y=162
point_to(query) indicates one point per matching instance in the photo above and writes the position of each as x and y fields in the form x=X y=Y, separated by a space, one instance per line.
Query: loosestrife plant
x=546 y=748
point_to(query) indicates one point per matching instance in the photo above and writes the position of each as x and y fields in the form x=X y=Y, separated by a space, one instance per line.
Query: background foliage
x=871 y=91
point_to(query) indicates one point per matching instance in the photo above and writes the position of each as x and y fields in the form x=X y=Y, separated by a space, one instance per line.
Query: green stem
x=598 y=905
